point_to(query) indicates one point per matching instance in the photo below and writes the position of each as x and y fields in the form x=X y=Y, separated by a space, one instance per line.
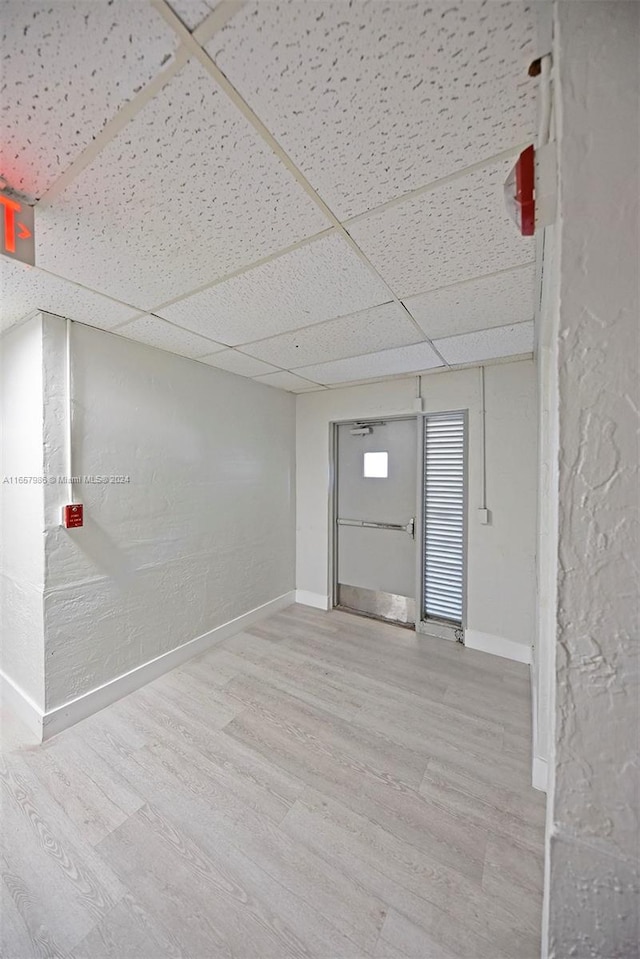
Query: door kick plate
x=390 y=606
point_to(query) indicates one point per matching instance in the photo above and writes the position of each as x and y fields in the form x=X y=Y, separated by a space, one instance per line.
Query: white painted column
x=22 y=568
x=591 y=895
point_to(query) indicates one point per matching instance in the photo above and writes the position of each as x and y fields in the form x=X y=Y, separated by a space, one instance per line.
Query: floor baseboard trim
x=497 y=646
x=539 y=774
x=317 y=600
x=61 y=717
x=21 y=705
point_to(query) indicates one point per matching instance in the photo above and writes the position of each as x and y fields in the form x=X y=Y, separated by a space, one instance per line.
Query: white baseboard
x=539 y=774
x=538 y=765
x=497 y=646
x=22 y=706
x=55 y=720
x=317 y=600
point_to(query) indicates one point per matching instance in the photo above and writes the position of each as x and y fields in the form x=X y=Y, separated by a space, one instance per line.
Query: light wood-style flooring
x=321 y=786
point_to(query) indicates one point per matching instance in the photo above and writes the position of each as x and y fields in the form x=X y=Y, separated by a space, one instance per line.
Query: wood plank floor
x=321 y=785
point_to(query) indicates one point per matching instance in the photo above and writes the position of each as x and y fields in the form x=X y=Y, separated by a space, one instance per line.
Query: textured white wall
x=501 y=557
x=22 y=509
x=593 y=841
x=203 y=533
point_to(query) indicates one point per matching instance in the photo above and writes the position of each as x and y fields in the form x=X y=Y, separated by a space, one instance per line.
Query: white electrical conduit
x=546 y=170
x=68 y=438
x=418 y=399
x=483 y=440
x=545 y=100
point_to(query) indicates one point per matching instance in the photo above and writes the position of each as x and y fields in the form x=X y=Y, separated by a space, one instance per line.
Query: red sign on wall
x=17 y=229
x=72 y=515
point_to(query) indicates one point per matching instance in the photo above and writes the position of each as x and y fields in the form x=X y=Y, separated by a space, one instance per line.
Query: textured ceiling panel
x=406 y=359
x=288 y=381
x=24 y=289
x=380 y=328
x=235 y=362
x=319 y=281
x=192 y=12
x=374 y=99
x=156 y=332
x=185 y=194
x=452 y=233
x=489 y=301
x=487 y=344
x=67 y=68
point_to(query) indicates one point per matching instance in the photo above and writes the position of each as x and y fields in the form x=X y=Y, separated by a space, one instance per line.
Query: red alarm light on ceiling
x=519 y=192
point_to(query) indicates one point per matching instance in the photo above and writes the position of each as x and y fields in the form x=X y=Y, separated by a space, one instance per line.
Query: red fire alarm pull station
x=72 y=515
x=519 y=192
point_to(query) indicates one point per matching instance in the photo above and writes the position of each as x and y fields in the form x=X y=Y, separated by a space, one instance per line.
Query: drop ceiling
x=303 y=193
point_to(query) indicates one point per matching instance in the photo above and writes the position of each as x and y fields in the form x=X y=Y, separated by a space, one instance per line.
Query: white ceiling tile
x=405 y=359
x=156 y=332
x=288 y=381
x=379 y=328
x=192 y=12
x=318 y=281
x=24 y=289
x=67 y=68
x=372 y=100
x=476 y=305
x=452 y=233
x=487 y=344
x=239 y=363
x=184 y=194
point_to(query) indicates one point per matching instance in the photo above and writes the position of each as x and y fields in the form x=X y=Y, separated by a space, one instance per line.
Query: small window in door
x=376 y=465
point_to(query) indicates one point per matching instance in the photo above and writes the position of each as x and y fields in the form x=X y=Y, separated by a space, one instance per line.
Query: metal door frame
x=333 y=493
x=433 y=627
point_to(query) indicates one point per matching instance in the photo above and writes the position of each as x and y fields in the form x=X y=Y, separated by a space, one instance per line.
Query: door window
x=376 y=465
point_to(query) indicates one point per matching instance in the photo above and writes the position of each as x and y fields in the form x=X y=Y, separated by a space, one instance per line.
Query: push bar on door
x=409 y=528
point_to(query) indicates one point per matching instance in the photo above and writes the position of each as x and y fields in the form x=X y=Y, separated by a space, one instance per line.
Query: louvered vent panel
x=444 y=516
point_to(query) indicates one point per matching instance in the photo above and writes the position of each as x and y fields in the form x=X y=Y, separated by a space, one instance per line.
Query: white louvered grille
x=444 y=516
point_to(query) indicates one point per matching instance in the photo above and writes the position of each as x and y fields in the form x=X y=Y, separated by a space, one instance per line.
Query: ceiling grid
x=263 y=131
x=444 y=279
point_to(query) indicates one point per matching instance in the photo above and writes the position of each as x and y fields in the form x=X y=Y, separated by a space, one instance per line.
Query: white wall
x=22 y=510
x=203 y=532
x=592 y=872
x=501 y=557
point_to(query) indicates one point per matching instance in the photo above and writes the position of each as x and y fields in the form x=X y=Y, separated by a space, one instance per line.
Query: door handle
x=409 y=528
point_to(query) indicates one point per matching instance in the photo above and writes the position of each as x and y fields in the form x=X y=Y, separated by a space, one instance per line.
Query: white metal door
x=376 y=504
